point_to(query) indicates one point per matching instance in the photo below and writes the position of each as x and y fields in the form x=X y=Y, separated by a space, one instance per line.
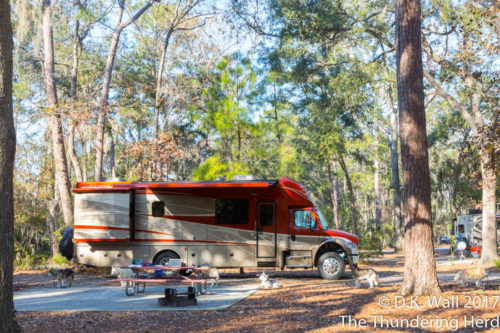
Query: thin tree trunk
x=159 y=84
x=397 y=218
x=334 y=196
x=352 y=202
x=106 y=82
x=276 y=119
x=420 y=276
x=71 y=126
x=456 y=177
x=62 y=173
x=51 y=220
x=71 y=150
x=7 y=156
x=376 y=164
x=112 y=154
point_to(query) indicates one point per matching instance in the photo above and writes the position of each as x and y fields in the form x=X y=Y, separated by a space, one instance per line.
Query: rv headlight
x=350 y=244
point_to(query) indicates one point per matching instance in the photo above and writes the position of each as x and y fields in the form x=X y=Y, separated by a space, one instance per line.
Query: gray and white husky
x=268 y=284
x=367 y=274
x=122 y=273
x=64 y=276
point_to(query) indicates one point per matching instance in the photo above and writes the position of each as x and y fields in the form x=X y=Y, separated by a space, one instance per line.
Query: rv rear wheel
x=331 y=266
x=164 y=257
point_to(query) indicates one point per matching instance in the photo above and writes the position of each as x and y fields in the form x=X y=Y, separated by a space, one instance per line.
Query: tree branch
x=441 y=92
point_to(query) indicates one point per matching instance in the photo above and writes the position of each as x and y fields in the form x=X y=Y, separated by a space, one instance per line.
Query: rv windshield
x=322 y=220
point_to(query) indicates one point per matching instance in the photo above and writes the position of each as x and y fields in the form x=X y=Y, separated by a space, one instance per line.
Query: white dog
x=268 y=284
x=122 y=273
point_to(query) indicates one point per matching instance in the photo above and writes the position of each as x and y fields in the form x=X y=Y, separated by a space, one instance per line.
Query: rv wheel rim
x=330 y=266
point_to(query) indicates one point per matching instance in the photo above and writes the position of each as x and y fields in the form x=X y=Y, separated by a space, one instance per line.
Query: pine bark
x=62 y=173
x=420 y=276
x=7 y=155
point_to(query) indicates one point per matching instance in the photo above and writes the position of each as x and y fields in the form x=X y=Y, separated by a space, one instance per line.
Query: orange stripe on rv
x=193 y=241
x=153 y=232
x=101 y=227
x=86 y=240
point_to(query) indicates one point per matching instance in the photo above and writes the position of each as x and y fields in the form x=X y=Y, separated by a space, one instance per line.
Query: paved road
x=107 y=298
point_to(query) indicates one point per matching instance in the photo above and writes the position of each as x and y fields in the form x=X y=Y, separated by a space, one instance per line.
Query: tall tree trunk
x=334 y=191
x=420 y=276
x=456 y=177
x=71 y=126
x=62 y=173
x=376 y=164
x=112 y=154
x=51 y=220
x=489 y=232
x=7 y=155
x=106 y=82
x=397 y=217
x=159 y=83
x=352 y=200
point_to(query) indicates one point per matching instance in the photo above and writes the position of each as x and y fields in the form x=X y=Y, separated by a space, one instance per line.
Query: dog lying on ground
x=472 y=274
x=64 y=276
x=367 y=274
x=268 y=284
x=122 y=273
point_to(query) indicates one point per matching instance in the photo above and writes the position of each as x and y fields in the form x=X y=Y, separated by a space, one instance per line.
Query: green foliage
x=497 y=263
x=59 y=260
x=28 y=261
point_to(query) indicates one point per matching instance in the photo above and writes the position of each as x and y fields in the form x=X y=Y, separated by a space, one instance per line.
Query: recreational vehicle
x=237 y=223
x=470 y=226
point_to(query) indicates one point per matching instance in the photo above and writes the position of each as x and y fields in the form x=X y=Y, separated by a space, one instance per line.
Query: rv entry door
x=266 y=230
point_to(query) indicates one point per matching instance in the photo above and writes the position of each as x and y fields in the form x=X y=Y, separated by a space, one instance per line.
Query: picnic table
x=133 y=285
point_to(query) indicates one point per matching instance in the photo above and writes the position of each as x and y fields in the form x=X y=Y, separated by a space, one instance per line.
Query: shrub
x=31 y=262
x=497 y=263
x=59 y=260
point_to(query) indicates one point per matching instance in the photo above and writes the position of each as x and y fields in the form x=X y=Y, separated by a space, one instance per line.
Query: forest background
x=199 y=89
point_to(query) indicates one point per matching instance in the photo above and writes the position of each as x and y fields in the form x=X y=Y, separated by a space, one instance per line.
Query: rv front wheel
x=331 y=266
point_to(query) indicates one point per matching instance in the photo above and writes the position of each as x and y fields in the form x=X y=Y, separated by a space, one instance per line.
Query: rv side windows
x=303 y=219
x=158 y=208
x=231 y=211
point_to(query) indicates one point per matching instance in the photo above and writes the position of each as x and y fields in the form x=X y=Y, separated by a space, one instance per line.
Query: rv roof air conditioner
x=244 y=177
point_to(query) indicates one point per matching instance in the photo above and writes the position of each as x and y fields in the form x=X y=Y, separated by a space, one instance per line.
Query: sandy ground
x=306 y=303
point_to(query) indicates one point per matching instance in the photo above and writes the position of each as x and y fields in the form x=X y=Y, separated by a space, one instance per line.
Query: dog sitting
x=268 y=284
x=122 y=273
x=472 y=274
x=367 y=274
x=64 y=276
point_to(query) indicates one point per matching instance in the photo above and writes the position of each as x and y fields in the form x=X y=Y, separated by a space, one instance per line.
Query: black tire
x=164 y=257
x=331 y=266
